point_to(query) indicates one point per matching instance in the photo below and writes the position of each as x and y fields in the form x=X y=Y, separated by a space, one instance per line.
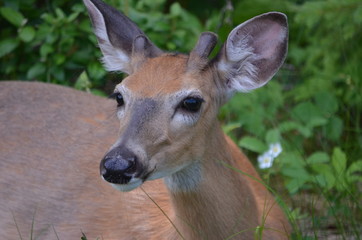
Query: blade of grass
x=55 y=232
x=163 y=212
x=16 y=225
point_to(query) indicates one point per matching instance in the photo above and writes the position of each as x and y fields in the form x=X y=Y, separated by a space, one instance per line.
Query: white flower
x=275 y=149
x=265 y=160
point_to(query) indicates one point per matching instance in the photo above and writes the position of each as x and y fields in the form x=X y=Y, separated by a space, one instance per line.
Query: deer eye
x=191 y=104
x=119 y=99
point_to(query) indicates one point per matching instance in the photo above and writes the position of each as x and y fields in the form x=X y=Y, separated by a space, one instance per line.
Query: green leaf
x=325 y=177
x=14 y=17
x=354 y=172
x=175 y=9
x=59 y=59
x=7 y=46
x=333 y=129
x=305 y=111
x=83 y=82
x=326 y=102
x=291 y=125
x=316 y=122
x=292 y=160
x=306 y=132
x=171 y=46
x=357 y=15
x=272 y=136
x=295 y=184
x=293 y=172
x=288 y=126
x=252 y=144
x=58 y=73
x=96 y=70
x=60 y=14
x=35 y=71
x=98 y=92
x=318 y=157
x=73 y=16
x=227 y=128
x=45 y=49
x=27 y=33
x=339 y=160
x=161 y=26
x=321 y=180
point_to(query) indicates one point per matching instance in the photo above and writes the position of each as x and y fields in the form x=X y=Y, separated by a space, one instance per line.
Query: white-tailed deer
x=52 y=139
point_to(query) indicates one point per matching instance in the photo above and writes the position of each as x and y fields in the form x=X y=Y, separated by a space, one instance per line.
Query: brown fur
x=51 y=141
x=158 y=76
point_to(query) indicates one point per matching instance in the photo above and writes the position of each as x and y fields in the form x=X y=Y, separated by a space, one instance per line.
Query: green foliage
x=47 y=44
x=252 y=144
x=313 y=107
x=55 y=43
x=171 y=29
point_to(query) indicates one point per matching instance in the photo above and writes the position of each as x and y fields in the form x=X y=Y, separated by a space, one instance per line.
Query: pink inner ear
x=266 y=44
x=254 y=51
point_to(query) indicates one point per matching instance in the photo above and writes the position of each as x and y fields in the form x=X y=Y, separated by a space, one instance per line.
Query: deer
x=174 y=173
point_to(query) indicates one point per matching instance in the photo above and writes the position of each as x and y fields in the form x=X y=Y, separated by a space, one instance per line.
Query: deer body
x=167 y=110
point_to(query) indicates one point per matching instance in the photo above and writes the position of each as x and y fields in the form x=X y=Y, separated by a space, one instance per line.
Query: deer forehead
x=162 y=76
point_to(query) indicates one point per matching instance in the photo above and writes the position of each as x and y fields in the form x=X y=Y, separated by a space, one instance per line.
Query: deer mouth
x=131 y=185
x=126 y=184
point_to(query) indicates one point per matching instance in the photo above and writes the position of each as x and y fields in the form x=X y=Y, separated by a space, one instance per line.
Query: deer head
x=168 y=105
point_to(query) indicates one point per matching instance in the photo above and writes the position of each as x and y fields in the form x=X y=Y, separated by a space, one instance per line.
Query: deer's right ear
x=119 y=39
x=253 y=53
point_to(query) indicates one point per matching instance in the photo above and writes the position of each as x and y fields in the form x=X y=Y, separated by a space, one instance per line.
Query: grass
x=317 y=214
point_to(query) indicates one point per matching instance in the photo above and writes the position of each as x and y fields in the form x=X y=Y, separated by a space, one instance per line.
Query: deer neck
x=210 y=200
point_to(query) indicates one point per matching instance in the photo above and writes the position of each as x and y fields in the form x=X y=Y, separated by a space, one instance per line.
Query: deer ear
x=253 y=52
x=116 y=35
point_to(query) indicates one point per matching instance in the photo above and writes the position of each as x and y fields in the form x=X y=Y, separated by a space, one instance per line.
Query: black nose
x=119 y=165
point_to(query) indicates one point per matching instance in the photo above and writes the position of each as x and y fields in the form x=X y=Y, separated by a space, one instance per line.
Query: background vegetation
x=313 y=107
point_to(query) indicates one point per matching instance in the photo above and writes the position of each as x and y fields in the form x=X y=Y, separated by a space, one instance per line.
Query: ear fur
x=116 y=35
x=198 y=58
x=253 y=52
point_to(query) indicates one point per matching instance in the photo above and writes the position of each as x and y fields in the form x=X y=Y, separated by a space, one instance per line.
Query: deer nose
x=119 y=166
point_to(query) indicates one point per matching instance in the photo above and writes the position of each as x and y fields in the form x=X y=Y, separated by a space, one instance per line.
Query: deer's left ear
x=253 y=52
x=122 y=43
